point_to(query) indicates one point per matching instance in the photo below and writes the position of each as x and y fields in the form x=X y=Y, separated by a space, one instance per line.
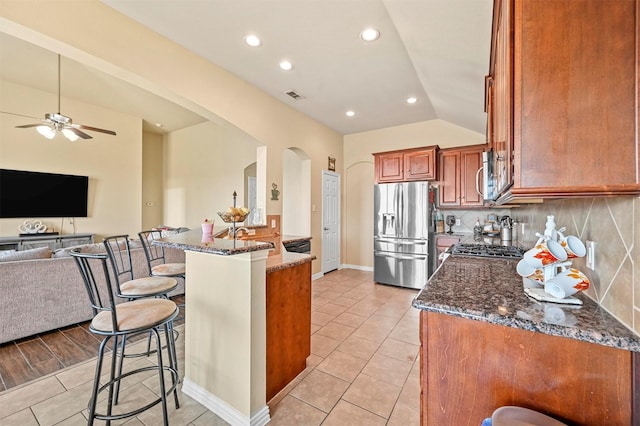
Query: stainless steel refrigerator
x=403 y=234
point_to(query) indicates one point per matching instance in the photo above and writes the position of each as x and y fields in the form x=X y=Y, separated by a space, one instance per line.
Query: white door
x=330 y=221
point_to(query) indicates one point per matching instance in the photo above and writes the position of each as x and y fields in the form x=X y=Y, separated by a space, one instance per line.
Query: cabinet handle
x=478 y=182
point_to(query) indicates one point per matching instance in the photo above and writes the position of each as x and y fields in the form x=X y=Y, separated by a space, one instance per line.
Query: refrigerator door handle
x=412 y=243
x=400 y=208
x=401 y=256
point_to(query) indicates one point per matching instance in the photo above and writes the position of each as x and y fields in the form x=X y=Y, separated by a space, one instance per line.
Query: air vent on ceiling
x=295 y=95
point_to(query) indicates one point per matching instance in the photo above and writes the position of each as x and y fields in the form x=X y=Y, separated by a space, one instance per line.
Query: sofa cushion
x=36 y=253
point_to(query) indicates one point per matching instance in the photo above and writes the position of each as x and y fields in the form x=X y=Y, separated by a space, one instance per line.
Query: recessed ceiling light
x=370 y=34
x=252 y=40
x=412 y=100
x=286 y=65
x=158 y=124
x=350 y=113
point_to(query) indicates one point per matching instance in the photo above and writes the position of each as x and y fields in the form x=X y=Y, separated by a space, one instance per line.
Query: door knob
x=325 y=228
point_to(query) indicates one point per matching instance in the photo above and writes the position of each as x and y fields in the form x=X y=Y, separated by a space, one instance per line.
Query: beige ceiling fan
x=56 y=122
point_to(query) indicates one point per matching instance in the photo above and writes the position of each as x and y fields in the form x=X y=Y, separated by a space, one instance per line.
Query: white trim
x=222 y=409
x=317 y=276
x=358 y=267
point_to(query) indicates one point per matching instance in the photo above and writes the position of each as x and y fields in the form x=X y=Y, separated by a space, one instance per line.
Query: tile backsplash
x=614 y=225
x=468 y=217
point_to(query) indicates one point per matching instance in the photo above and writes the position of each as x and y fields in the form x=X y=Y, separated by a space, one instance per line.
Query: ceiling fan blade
x=26 y=126
x=80 y=133
x=94 y=129
x=20 y=115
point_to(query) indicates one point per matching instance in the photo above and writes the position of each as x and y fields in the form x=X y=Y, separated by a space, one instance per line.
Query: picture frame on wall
x=332 y=164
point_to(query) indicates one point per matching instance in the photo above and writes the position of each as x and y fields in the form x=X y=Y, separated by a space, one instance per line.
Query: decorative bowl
x=234 y=214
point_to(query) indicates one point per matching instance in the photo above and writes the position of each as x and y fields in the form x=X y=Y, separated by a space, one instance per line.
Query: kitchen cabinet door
x=490 y=365
x=567 y=97
x=389 y=167
x=459 y=176
x=449 y=178
x=416 y=164
x=471 y=177
x=420 y=164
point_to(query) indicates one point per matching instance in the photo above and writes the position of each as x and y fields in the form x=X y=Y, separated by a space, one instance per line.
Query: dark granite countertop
x=278 y=259
x=286 y=260
x=195 y=240
x=490 y=290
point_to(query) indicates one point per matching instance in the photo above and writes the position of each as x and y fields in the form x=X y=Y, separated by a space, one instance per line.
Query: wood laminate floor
x=32 y=357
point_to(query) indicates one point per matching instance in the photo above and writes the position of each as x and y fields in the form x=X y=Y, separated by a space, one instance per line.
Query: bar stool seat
x=168 y=270
x=146 y=286
x=156 y=260
x=135 y=315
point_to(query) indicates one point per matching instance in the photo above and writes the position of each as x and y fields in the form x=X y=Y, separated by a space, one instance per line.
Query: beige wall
x=358 y=181
x=123 y=48
x=152 y=192
x=113 y=163
x=203 y=166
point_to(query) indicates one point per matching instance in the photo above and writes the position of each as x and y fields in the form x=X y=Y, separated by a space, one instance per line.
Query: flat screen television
x=25 y=194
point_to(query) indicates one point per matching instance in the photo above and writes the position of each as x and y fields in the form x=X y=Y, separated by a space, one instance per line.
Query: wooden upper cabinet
x=389 y=167
x=459 y=176
x=564 y=98
x=406 y=165
x=420 y=164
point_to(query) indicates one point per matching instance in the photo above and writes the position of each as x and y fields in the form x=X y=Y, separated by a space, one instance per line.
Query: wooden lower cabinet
x=470 y=368
x=288 y=325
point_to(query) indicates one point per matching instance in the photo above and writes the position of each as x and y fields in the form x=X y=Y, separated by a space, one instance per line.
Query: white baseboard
x=222 y=409
x=344 y=266
x=358 y=267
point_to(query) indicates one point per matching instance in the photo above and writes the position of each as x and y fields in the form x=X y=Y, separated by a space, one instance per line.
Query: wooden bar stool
x=117 y=321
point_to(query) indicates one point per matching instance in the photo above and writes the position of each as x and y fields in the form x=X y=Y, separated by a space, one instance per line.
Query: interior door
x=330 y=221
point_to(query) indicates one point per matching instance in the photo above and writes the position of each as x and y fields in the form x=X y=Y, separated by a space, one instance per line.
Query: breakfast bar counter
x=248 y=328
x=485 y=344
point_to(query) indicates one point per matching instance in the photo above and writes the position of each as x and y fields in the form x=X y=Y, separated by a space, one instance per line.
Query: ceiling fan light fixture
x=69 y=134
x=46 y=131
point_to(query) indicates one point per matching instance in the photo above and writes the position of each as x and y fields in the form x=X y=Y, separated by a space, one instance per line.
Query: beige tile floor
x=363 y=369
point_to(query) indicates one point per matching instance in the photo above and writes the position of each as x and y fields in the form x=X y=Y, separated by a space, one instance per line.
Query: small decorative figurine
x=274 y=192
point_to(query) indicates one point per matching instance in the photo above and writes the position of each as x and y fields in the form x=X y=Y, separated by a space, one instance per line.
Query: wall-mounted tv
x=25 y=194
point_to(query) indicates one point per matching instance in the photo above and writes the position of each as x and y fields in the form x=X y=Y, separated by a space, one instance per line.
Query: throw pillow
x=36 y=253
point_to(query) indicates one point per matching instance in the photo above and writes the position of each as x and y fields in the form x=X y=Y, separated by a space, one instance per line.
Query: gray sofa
x=45 y=291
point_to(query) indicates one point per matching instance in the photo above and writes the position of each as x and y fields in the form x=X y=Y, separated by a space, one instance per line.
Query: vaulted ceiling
x=434 y=50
